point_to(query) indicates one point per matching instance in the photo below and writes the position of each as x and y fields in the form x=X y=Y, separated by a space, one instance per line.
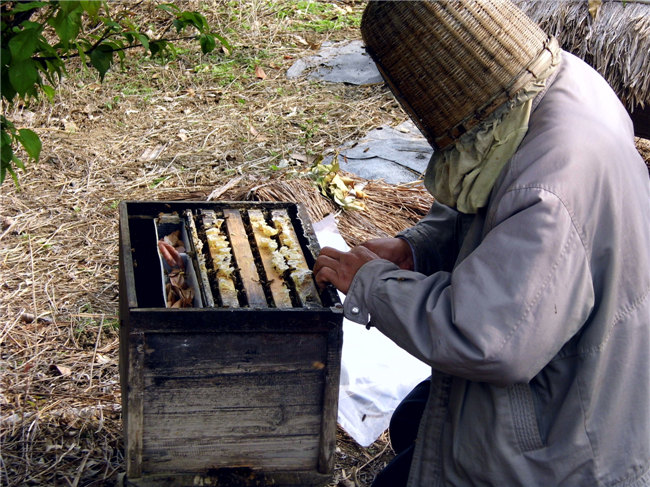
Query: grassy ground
x=149 y=131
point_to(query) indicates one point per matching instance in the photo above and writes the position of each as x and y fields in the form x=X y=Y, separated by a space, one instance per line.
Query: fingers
x=170 y=254
x=326 y=275
x=339 y=268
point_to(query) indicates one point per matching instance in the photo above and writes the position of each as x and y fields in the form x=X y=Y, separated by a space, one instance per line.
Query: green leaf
x=6 y=88
x=69 y=6
x=6 y=152
x=92 y=7
x=31 y=142
x=25 y=6
x=49 y=92
x=144 y=40
x=157 y=48
x=223 y=40
x=195 y=19
x=67 y=24
x=102 y=58
x=169 y=7
x=22 y=75
x=23 y=44
x=18 y=163
x=207 y=43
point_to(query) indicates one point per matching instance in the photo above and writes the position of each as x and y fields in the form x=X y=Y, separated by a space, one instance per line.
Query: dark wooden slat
x=233 y=391
x=330 y=401
x=203 y=354
x=158 y=320
x=234 y=476
x=290 y=453
x=135 y=392
x=219 y=424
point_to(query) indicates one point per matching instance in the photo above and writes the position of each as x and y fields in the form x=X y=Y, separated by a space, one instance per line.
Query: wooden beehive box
x=219 y=393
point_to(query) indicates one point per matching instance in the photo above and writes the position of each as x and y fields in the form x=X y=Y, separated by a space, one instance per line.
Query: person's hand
x=396 y=250
x=171 y=255
x=339 y=268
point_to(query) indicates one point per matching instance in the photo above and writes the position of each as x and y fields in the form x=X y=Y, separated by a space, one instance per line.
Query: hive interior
x=238 y=258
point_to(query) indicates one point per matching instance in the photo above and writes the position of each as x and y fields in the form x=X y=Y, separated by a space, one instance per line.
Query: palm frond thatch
x=616 y=43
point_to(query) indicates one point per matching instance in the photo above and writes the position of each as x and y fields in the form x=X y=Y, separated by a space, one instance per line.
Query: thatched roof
x=616 y=42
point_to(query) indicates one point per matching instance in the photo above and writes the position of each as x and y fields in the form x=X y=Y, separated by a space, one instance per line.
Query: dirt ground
x=224 y=123
x=227 y=120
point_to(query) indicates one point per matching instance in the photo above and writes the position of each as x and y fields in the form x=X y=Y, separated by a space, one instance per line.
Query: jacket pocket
x=523 y=418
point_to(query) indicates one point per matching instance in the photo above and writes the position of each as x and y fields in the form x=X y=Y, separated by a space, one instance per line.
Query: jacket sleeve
x=504 y=311
x=434 y=240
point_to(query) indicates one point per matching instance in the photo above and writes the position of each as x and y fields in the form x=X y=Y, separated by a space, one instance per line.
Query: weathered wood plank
x=203 y=354
x=232 y=391
x=245 y=260
x=244 y=320
x=300 y=273
x=266 y=246
x=228 y=477
x=135 y=393
x=222 y=423
x=290 y=453
x=330 y=401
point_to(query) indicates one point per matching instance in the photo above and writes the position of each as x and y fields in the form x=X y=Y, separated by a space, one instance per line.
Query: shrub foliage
x=38 y=38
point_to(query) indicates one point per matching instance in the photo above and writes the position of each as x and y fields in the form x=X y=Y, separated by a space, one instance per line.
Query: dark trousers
x=403 y=430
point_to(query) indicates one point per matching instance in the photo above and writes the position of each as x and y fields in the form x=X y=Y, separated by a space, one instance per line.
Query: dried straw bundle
x=390 y=208
x=616 y=43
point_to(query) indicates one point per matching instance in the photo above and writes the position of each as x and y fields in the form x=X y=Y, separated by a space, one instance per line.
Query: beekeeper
x=527 y=287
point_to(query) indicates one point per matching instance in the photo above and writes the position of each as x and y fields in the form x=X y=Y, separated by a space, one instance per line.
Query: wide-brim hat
x=452 y=63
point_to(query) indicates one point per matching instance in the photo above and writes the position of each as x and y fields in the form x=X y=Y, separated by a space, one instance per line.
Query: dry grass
x=199 y=125
x=149 y=132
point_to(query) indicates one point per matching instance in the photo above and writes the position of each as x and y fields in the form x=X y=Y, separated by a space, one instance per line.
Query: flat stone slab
x=341 y=62
x=395 y=154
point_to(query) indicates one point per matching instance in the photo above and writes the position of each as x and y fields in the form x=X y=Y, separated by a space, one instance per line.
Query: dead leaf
x=70 y=126
x=594 y=8
x=101 y=359
x=61 y=369
x=300 y=40
x=302 y=157
x=151 y=153
x=252 y=130
x=182 y=134
x=216 y=193
x=259 y=72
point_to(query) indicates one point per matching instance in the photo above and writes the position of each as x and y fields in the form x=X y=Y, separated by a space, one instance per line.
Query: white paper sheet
x=375 y=373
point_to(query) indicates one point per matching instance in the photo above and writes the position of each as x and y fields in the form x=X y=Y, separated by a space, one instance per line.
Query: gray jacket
x=535 y=313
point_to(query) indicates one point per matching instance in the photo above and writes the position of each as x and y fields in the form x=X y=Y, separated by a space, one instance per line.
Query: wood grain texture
x=135 y=393
x=330 y=401
x=288 y=453
x=226 y=396
x=241 y=399
x=245 y=260
x=204 y=354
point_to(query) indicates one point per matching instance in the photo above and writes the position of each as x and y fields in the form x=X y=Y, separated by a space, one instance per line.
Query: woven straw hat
x=451 y=63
